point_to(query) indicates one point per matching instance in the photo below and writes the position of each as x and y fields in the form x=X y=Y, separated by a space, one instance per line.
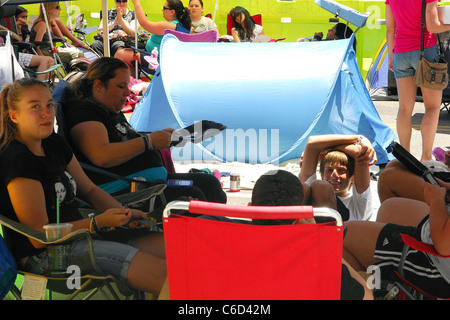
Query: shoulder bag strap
x=422 y=27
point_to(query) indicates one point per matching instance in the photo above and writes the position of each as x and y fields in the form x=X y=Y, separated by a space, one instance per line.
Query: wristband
x=358 y=142
x=93 y=228
x=148 y=143
x=145 y=138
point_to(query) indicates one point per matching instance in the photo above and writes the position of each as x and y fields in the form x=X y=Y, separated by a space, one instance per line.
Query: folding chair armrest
x=39 y=235
x=130 y=198
x=107 y=173
x=52 y=68
x=24 y=45
x=141 y=51
x=421 y=246
x=86 y=31
x=141 y=195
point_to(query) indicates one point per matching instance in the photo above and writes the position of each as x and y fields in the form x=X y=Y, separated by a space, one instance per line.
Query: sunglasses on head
x=165 y=8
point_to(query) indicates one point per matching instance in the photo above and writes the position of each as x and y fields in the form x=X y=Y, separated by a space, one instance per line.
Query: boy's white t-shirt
x=359 y=205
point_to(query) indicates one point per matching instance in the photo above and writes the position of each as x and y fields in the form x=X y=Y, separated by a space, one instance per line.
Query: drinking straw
x=57 y=210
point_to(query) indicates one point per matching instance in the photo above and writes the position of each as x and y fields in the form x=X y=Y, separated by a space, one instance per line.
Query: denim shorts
x=405 y=63
x=111 y=257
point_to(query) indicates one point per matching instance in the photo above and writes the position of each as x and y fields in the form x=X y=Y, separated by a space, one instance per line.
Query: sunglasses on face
x=122 y=1
x=165 y=8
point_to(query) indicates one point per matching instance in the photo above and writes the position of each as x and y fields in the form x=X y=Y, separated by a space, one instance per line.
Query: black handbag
x=430 y=75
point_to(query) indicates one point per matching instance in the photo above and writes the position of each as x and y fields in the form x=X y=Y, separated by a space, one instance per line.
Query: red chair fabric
x=210 y=259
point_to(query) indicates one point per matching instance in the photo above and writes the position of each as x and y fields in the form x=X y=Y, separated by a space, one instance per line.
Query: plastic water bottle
x=154 y=53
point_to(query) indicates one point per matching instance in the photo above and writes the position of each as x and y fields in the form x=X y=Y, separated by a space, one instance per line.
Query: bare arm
x=40 y=29
x=235 y=35
x=390 y=35
x=152 y=27
x=28 y=200
x=432 y=21
x=364 y=155
x=14 y=35
x=129 y=28
x=91 y=137
x=439 y=217
x=315 y=146
x=64 y=31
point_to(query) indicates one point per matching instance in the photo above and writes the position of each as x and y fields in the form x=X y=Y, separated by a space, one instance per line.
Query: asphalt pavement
x=387 y=109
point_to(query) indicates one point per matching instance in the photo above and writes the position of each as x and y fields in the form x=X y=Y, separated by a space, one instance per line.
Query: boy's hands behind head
x=366 y=154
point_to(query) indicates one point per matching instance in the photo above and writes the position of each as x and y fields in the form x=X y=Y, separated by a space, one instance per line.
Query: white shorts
x=25 y=59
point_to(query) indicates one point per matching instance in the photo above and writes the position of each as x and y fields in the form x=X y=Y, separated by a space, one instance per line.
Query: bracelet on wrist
x=145 y=138
x=358 y=142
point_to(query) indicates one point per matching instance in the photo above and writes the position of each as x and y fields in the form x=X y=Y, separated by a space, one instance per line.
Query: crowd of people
x=334 y=169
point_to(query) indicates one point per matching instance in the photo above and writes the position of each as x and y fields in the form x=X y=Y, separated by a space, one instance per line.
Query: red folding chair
x=405 y=292
x=212 y=259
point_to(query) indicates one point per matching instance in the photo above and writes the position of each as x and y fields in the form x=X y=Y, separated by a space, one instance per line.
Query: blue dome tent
x=271 y=97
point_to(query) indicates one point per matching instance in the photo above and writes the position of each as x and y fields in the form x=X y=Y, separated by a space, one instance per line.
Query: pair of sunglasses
x=165 y=8
x=121 y=1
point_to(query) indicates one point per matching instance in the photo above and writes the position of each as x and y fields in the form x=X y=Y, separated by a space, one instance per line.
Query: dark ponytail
x=181 y=12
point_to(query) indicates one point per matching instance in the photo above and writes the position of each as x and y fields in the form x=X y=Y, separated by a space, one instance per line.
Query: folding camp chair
x=81 y=30
x=407 y=290
x=206 y=36
x=91 y=281
x=214 y=259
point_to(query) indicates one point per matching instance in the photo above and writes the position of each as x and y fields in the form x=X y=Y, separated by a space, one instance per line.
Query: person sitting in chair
x=282 y=188
x=101 y=136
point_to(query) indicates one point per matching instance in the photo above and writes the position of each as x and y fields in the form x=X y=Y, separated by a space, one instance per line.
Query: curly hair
x=277 y=188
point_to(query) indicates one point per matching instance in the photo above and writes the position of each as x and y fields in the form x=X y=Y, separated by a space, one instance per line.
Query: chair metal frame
x=92 y=281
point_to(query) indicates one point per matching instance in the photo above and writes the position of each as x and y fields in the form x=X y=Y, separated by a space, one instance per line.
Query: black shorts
x=419 y=270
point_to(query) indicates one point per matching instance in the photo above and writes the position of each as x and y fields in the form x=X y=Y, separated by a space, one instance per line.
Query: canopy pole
x=106 y=52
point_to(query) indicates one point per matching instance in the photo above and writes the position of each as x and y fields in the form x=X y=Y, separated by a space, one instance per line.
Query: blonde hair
x=48 y=6
x=10 y=97
x=338 y=157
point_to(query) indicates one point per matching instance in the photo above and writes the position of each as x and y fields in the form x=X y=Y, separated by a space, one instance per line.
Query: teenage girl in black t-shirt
x=36 y=166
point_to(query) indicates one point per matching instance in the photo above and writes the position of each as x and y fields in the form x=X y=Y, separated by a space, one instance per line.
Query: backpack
x=8 y=269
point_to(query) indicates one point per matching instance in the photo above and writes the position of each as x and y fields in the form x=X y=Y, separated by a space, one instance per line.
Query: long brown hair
x=10 y=97
x=48 y=6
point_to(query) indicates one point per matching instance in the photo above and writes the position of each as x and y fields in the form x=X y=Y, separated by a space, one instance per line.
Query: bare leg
x=397 y=181
x=402 y=211
x=147 y=272
x=42 y=63
x=432 y=101
x=407 y=91
x=360 y=242
x=153 y=244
